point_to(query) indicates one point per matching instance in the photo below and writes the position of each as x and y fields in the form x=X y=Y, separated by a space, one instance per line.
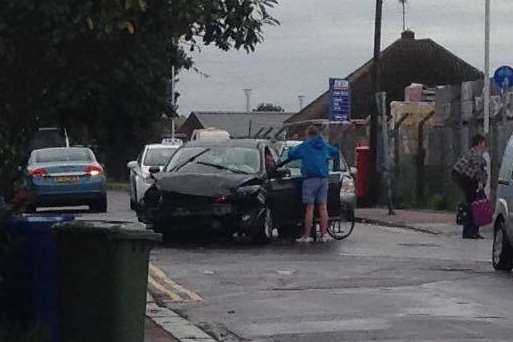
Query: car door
x=336 y=175
x=286 y=198
x=505 y=186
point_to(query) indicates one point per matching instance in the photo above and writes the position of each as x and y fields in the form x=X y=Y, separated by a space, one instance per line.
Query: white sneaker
x=304 y=240
x=325 y=238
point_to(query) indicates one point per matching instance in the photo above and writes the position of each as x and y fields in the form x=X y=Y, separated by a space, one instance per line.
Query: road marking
x=159 y=281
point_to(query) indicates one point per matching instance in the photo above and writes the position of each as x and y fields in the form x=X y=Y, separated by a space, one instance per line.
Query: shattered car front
x=217 y=187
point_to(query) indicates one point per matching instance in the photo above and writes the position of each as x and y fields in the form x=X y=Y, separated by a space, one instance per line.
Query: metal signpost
x=339 y=100
x=381 y=100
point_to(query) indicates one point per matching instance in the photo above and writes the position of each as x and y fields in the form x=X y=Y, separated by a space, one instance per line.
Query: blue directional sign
x=504 y=77
x=339 y=100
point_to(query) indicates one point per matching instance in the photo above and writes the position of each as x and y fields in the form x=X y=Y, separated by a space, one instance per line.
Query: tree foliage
x=268 y=107
x=101 y=67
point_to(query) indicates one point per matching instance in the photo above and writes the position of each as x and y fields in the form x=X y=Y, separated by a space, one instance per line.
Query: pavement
x=426 y=221
x=154 y=333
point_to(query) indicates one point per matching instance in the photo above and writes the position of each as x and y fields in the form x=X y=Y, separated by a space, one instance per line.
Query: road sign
x=504 y=77
x=339 y=100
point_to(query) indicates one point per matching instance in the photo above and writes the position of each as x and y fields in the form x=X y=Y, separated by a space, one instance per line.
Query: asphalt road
x=380 y=284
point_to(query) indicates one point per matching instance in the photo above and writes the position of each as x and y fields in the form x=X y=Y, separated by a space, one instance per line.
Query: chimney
x=408 y=35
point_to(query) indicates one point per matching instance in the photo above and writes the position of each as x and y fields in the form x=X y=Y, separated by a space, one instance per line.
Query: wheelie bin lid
x=108 y=229
x=38 y=222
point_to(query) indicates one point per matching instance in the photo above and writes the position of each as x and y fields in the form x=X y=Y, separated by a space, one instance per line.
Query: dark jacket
x=315 y=154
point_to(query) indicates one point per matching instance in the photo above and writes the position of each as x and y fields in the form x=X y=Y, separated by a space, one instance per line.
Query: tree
x=101 y=67
x=268 y=107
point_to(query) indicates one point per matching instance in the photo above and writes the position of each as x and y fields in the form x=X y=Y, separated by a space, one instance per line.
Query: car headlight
x=249 y=189
x=347 y=185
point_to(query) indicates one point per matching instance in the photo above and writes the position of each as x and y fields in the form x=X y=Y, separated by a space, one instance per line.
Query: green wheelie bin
x=102 y=280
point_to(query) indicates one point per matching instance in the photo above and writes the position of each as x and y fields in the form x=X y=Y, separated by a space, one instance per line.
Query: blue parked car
x=66 y=176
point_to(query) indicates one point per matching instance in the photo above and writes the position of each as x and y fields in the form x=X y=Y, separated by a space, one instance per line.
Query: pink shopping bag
x=482 y=212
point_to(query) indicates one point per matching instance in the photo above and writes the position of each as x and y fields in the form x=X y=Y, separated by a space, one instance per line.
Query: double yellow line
x=160 y=286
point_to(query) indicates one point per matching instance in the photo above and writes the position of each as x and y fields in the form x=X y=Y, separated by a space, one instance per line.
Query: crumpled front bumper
x=225 y=217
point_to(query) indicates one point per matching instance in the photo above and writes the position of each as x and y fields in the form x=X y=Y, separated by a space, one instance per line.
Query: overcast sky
x=319 y=39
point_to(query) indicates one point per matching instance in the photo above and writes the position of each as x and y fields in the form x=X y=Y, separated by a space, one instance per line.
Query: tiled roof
x=406 y=61
x=243 y=124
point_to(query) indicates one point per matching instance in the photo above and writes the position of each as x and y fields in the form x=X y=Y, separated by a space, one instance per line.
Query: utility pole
x=248 y=100
x=381 y=100
x=376 y=81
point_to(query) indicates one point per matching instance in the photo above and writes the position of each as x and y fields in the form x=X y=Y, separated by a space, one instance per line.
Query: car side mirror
x=154 y=170
x=132 y=164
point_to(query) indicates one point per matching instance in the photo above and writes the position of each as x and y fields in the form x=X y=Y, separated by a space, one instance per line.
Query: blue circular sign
x=504 y=77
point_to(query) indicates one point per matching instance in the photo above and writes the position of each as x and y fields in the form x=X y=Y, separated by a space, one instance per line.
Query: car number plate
x=67 y=179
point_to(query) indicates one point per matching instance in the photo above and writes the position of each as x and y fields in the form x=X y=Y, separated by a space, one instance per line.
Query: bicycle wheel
x=341 y=228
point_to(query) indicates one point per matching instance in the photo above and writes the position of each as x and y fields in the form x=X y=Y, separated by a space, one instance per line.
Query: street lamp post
x=486 y=89
x=486 y=93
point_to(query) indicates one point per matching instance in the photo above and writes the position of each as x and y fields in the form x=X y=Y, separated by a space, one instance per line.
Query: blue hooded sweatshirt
x=315 y=154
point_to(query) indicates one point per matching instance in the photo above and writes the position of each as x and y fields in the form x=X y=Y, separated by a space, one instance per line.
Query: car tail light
x=94 y=170
x=39 y=172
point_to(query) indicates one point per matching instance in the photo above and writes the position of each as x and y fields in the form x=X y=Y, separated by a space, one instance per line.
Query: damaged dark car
x=231 y=186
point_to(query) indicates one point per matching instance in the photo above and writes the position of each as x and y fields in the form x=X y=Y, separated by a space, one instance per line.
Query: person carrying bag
x=470 y=174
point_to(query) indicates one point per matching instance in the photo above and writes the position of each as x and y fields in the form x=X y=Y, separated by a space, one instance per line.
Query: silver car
x=502 y=257
x=153 y=155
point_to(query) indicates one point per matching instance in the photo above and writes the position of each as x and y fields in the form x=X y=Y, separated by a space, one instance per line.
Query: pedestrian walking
x=315 y=154
x=470 y=174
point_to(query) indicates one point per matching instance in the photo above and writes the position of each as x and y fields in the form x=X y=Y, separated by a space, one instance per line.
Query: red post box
x=362 y=159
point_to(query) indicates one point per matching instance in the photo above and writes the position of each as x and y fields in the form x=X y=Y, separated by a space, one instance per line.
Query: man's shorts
x=315 y=190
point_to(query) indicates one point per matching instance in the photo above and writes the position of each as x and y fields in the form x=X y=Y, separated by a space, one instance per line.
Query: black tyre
x=133 y=202
x=263 y=232
x=502 y=255
x=31 y=209
x=342 y=227
x=100 y=205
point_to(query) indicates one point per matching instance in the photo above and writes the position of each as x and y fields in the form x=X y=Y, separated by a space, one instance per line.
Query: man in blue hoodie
x=315 y=154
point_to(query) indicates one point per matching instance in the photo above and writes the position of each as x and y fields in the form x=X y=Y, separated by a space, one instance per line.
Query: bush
x=439 y=202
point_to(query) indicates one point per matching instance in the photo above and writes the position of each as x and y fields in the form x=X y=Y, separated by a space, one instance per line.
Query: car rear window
x=55 y=155
x=158 y=156
x=47 y=139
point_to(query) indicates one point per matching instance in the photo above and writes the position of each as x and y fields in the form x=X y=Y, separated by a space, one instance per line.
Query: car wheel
x=133 y=197
x=31 y=209
x=502 y=258
x=100 y=205
x=264 y=231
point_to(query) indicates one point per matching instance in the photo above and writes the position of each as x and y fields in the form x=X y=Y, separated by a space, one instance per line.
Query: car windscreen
x=56 y=155
x=215 y=160
x=296 y=164
x=158 y=156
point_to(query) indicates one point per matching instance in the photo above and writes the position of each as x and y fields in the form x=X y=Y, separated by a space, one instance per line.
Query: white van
x=210 y=134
